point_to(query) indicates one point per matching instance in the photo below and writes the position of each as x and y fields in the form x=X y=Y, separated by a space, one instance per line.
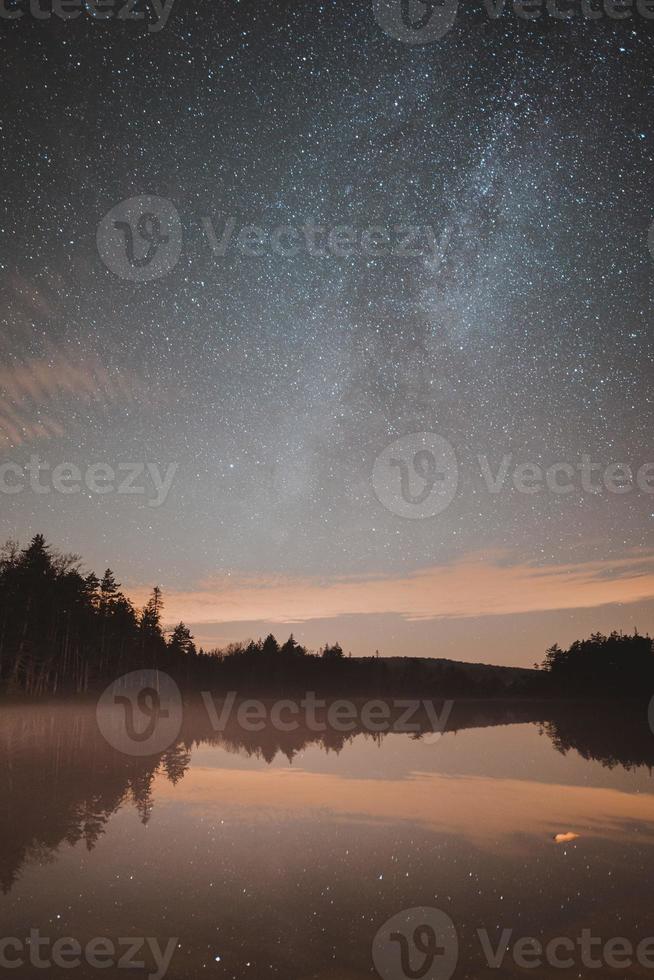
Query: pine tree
x=181 y=640
x=270 y=646
x=108 y=590
x=151 y=616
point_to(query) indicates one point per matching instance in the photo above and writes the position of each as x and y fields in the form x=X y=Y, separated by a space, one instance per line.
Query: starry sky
x=520 y=326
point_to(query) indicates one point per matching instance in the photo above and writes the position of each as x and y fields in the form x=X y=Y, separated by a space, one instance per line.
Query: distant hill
x=440 y=676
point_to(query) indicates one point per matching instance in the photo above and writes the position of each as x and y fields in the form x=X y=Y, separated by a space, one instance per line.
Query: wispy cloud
x=39 y=394
x=472 y=587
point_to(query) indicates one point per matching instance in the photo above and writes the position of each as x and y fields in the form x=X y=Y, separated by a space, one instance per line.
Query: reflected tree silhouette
x=62 y=782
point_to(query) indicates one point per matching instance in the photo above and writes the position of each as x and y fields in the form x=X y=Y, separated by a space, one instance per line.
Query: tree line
x=63 y=631
x=66 y=632
x=617 y=665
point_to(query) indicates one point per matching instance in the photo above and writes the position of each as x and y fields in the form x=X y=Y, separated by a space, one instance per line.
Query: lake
x=278 y=854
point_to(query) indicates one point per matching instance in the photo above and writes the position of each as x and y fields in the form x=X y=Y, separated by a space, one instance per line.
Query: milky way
x=521 y=151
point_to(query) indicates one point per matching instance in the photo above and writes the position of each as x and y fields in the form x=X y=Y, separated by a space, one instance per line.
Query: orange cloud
x=468 y=588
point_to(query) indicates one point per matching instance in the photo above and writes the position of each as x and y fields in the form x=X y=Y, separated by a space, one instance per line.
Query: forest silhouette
x=65 y=632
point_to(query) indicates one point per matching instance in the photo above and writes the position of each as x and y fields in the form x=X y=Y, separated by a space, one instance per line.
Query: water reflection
x=62 y=783
x=279 y=854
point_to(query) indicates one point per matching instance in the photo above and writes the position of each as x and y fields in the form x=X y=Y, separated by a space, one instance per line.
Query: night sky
x=522 y=153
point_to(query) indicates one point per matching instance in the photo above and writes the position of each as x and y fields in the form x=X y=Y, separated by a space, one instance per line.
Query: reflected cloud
x=481 y=809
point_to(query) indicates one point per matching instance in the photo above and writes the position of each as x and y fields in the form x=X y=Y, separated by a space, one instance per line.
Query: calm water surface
x=283 y=859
